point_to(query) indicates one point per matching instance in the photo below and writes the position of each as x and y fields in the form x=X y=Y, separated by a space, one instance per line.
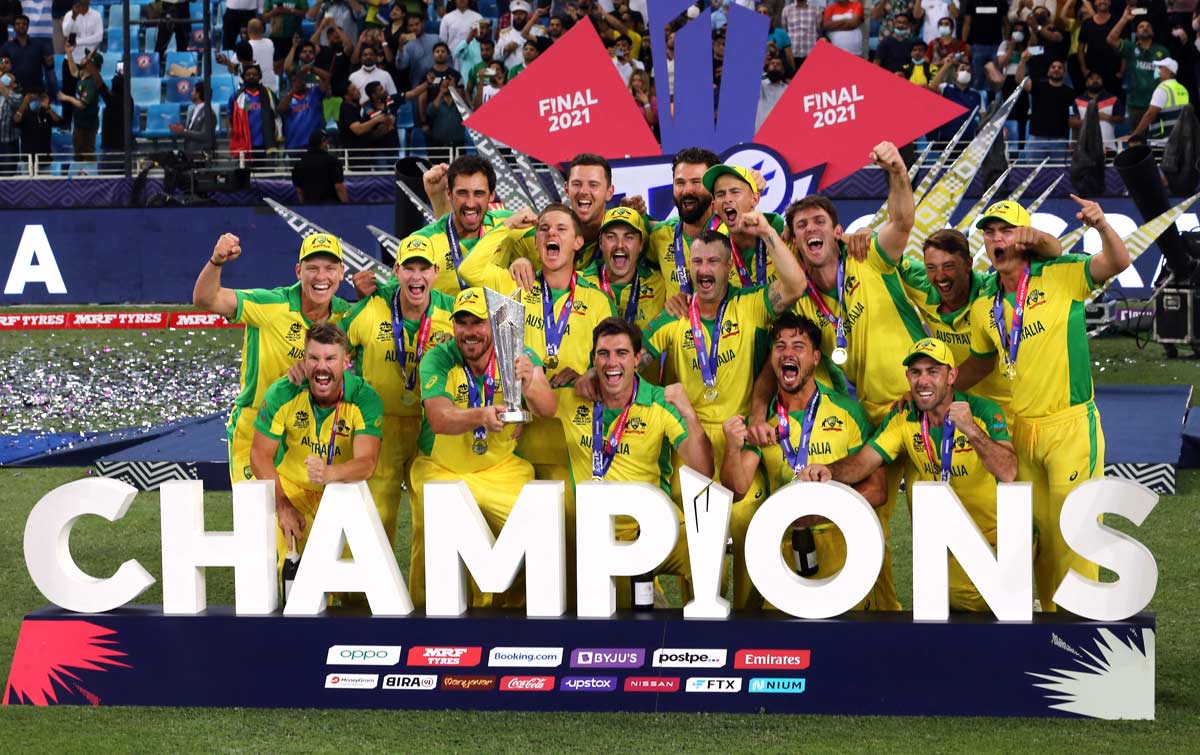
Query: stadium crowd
x=753 y=347
x=380 y=75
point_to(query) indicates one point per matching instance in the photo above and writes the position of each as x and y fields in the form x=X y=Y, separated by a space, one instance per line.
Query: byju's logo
x=776 y=685
x=588 y=684
x=608 y=658
x=714 y=684
x=690 y=657
x=363 y=655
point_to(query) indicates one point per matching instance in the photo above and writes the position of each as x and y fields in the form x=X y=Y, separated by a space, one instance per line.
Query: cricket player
x=276 y=321
x=735 y=193
x=670 y=242
x=635 y=290
x=1031 y=313
x=948 y=436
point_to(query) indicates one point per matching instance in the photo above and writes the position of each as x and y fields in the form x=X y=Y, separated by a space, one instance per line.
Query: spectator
x=885 y=13
x=372 y=36
x=36 y=120
x=334 y=57
x=345 y=14
x=380 y=111
x=622 y=52
x=842 y=22
x=350 y=127
x=481 y=72
x=416 y=57
x=929 y=13
x=918 y=69
x=285 y=17
x=457 y=24
x=1140 y=57
x=235 y=19
x=1050 y=102
x=83 y=31
x=983 y=30
x=173 y=23
x=530 y=52
x=87 y=105
x=1003 y=73
x=1050 y=36
x=198 y=125
x=557 y=27
x=1108 y=107
x=9 y=10
x=1166 y=103
x=302 y=55
x=264 y=54
x=443 y=123
x=58 y=10
x=302 y=112
x=771 y=89
x=1094 y=53
x=959 y=91
x=112 y=120
x=10 y=102
x=643 y=95
x=780 y=37
x=802 y=22
x=467 y=55
x=252 y=129
x=524 y=27
x=487 y=83
x=370 y=72
x=895 y=50
x=948 y=46
x=318 y=175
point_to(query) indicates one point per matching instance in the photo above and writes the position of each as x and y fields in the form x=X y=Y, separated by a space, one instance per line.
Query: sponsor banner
x=652 y=684
x=527 y=684
x=608 y=657
x=422 y=655
x=588 y=684
x=690 y=658
x=780 y=685
x=534 y=657
x=183 y=320
x=772 y=659
x=363 y=655
x=468 y=683
x=714 y=684
x=410 y=682
x=130 y=320
x=351 y=681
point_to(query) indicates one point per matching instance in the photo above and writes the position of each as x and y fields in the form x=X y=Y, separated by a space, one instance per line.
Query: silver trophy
x=507 y=318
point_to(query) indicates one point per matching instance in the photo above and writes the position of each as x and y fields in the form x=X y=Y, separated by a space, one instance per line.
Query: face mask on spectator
x=944 y=30
x=1018 y=36
x=1095 y=88
x=6 y=80
x=368 y=68
x=34 y=105
x=964 y=77
x=901 y=33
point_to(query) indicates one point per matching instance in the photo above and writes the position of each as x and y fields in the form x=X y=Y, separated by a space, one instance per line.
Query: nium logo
x=527 y=684
x=469 y=683
x=514 y=657
x=794 y=686
x=412 y=682
x=714 y=684
x=351 y=681
x=608 y=657
x=588 y=684
x=652 y=684
x=363 y=655
x=690 y=657
x=422 y=655
x=772 y=659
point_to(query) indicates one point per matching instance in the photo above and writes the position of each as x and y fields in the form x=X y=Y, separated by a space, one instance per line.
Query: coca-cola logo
x=527 y=684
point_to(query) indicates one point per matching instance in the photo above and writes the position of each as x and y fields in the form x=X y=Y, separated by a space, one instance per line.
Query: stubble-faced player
x=635 y=290
x=462 y=437
x=276 y=321
x=948 y=436
x=327 y=429
x=734 y=194
x=1031 y=313
x=818 y=427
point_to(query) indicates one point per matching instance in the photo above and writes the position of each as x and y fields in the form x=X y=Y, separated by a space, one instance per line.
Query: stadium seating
x=158 y=119
x=145 y=64
x=219 y=110
x=145 y=90
x=151 y=38
x=404 y=116
x=109 y=67
x=223 y=87
x=60 y=142
x=179 y=89
x=58 y=64
x=116 y=44
x=183 y=64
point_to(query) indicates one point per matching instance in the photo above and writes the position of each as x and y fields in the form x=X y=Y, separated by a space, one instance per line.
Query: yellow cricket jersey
x=743 y=340
x=954 y=328
x=443 y=374
x=289 y=415
x=840 y=428
x=435 y=234
x=1054 y=369
x=880 y=325
x=524 y=244
x=661 y=249
x=777 y=222
x=652 y=293
x=369 y=328
x=591 y=306
x=274 y=339
x=652 y=429
x=975 y=486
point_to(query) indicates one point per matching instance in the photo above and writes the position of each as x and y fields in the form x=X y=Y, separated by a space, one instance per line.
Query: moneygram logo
x=422 y=655
x=363 y=655
x=793 y=686
x=652 y=684
x=351 y=681
x=541 y=657
x=527 y=684
x=772 y=659
x=608 y=658
x=714 y=684
x=468 y=683
x=588 y=684
x=413 y=682
x=690 y=658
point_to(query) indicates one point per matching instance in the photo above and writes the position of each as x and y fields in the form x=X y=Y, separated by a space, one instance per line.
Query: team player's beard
x=692 y=208
x=789 y=368
x=322 y=384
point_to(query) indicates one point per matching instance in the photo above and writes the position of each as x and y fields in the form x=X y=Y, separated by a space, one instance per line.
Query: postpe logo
x=690 y=657
x=588 y=684
x=777 y=685
x=363 y=655
x=714 y=684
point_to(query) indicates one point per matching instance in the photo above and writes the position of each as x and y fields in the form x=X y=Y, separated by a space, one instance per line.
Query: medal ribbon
x=760 y=265
x=422 y=339
x=604 y=451
x=947 y=447
x=681 y=273
x=455 y=248
x=838 y=323
x=796 y=457
x=1013 y=342
x=706 y=352
x=635 y=293
x=474 y=400
x=555 y=327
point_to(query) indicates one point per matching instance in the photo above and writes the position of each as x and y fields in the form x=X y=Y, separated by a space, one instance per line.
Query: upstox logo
x=777 y=685
x=690 y=657
x=363 y=655
x=422 y=655
x=516 y=657
x=410 y=682
x=714 y=684
x=588 y=684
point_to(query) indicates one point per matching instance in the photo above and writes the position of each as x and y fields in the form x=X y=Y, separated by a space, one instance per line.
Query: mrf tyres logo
x=714 y=684
x=410 y=682
x=363 y=655
x=690 y=657
x=608 y=657
x=424 y=655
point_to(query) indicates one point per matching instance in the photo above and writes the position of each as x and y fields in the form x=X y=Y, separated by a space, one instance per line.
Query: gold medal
x=839 y=356
x=552 y=361
x=710 y=394
x=597 y=478
x=1011 y=371
x=408 y=398
x=479 y=447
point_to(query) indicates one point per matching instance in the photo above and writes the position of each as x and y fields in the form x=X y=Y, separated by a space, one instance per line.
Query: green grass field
x=100 y=547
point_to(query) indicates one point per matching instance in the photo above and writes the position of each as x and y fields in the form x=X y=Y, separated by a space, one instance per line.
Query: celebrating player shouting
x=734 y=194
x=671 y=241
x=634 y=290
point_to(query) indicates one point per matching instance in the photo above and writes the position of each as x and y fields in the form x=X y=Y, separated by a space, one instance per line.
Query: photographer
x=36 y=120
x=345 y=14
x=490 y=80
x=443 y=123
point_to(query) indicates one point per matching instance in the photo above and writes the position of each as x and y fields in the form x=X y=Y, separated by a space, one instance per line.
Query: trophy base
x=515 y=416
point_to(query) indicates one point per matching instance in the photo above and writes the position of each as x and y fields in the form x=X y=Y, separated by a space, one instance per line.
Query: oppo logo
x=363 y=655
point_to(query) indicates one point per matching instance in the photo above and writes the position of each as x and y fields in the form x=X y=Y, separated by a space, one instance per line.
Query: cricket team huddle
x=755 y=348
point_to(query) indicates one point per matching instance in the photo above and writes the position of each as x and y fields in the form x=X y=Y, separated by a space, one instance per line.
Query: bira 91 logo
x=527 y=684
x=410 y=682
x=690 y=657
x=351 y=681
x=772 y=659
x=714 y=684
x=652 y=684
x=422 y=655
